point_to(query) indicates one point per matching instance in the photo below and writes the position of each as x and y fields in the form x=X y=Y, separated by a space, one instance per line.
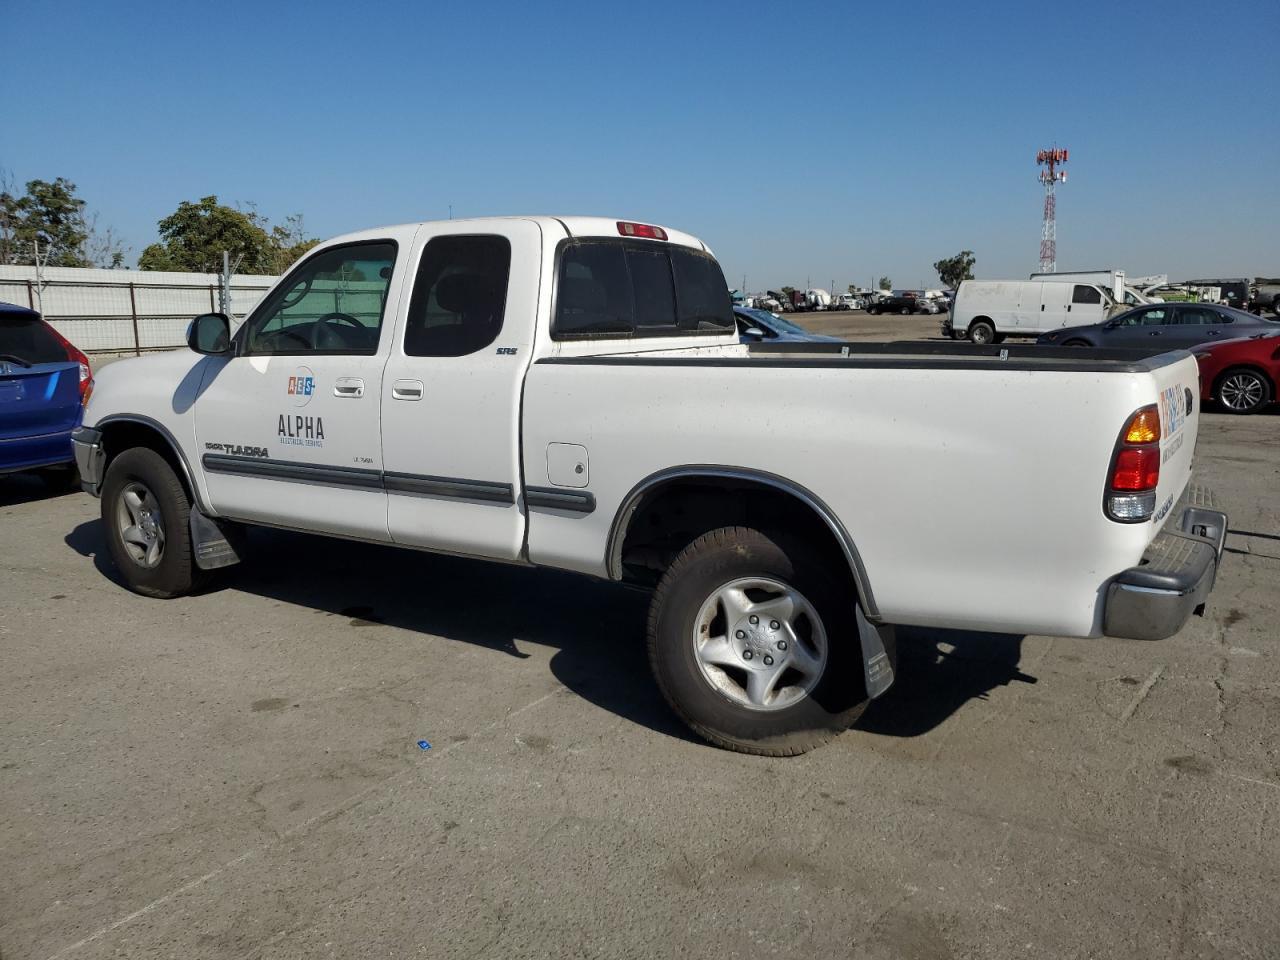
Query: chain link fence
x=125 y=311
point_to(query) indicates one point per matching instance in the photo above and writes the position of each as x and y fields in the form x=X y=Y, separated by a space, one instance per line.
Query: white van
x=987 y=311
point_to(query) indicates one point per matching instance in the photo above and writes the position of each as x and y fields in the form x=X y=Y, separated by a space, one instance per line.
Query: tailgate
x=41 y=399
x=1178 y=384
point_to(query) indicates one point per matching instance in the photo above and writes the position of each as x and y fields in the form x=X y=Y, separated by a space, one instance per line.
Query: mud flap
x=879 y=654
x=215 y=543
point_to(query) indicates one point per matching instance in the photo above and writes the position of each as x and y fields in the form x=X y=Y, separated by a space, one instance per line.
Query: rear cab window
x=638 y=288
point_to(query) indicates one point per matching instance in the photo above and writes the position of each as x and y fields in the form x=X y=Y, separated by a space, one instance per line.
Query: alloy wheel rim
x=140 y=524
x=1241 y=391
x=760 y=643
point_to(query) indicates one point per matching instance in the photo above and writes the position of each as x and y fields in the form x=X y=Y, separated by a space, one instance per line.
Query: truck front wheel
x=754 y=644
x=146 y=514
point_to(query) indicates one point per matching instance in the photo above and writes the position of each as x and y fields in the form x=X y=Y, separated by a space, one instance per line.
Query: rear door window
x=459 y=297
x=625 y=288
x=29 y=340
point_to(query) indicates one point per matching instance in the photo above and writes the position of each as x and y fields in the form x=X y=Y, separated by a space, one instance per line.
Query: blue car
x=44 y=383
x=761 y=326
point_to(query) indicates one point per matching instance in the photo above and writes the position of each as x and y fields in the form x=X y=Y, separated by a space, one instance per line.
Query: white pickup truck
x=570 y=392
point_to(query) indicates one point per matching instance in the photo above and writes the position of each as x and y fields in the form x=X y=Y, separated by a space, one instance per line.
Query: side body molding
x=622 y=520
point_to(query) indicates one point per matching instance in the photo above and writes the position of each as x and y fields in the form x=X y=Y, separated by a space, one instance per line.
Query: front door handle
x=1154 y=333
x=406 y=390
x=350 y=387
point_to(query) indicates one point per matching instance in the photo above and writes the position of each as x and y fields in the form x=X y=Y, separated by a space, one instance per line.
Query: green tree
x=49 y=214
x=194 y=236
x=954 y=269
x=885 y=283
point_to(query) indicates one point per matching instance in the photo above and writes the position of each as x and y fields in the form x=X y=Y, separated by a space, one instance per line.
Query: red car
x=1241 y=375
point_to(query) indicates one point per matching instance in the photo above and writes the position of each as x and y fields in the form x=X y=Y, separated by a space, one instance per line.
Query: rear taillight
x=643 y=230
x=76 y=355
x=1135 y=468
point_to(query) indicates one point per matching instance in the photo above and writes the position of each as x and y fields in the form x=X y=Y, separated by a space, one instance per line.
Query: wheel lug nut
x=768 y=660
x=773 y=624
x=741 y=634
x=754 y=619
x=746 y=654
x=782 y=644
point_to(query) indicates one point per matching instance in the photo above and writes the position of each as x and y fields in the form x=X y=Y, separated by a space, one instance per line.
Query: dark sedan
x=1163 y=326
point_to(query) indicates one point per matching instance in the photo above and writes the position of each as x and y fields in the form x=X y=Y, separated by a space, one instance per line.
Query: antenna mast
x=1050 y=175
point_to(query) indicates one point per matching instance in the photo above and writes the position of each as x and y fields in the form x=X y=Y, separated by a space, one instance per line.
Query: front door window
x=332 y=304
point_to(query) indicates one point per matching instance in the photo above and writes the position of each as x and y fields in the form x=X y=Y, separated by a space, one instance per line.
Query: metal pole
x=31 y=297
x=133 y=309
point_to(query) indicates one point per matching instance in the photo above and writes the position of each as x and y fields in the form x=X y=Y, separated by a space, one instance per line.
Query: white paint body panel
x=1022 y=307
x=959 y=521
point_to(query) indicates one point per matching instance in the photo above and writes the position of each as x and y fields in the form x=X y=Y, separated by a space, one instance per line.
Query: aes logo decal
x=301 y=386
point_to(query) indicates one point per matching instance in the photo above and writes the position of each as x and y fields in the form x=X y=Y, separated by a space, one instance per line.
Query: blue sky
x=801 y=141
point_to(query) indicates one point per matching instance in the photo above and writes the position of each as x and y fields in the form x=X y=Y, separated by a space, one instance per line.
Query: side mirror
x=754 y=332
x=210 y=333
x=1111 y=325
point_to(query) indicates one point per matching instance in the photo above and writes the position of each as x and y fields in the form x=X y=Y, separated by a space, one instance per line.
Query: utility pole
x=1049 y=176
x=40 y=265
x=224 y=283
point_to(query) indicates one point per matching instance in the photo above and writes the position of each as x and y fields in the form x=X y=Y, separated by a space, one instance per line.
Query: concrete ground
x=237 y=775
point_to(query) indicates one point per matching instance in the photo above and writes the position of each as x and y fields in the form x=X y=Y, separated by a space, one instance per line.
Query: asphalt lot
x=236 y=774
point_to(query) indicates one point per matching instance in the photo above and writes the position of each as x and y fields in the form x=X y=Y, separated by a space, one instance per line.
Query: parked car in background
x=987 y=311
x=1265 y=295
x=1240 y=375
x=1233 y=292
x=894 y=303
x=928 y=305
x=760 y=326
x=1164 y=326
x=44 y=384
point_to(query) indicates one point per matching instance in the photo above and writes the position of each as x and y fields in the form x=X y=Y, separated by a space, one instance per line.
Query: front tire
x=754 y=645
x=146 y=514
x=1243 y=391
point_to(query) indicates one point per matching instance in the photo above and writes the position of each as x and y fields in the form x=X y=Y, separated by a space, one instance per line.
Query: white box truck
x=987 y=311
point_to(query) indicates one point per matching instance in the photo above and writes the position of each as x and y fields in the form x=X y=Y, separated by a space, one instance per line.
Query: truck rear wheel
x=754 y=644
x=981 y=332
x=146 y=514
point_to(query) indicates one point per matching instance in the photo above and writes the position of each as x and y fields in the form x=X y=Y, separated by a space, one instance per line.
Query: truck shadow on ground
x=597 y=629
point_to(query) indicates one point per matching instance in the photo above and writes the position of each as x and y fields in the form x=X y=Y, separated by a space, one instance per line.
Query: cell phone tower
x=1050 y=175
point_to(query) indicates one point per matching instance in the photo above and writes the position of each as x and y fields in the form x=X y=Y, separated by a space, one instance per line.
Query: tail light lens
x=76 y=355
x=1135 y=468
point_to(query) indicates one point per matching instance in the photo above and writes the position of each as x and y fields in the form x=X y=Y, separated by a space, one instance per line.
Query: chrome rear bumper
x=1154 y=600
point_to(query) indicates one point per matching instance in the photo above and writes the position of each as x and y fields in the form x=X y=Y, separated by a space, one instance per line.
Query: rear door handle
x=350 y=387
x=406 y=390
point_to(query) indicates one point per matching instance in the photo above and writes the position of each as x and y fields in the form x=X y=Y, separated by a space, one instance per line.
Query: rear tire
x=1243 y=391
x=905 y=311
x=981 y=332
x=779 y=686
x=146 y=513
